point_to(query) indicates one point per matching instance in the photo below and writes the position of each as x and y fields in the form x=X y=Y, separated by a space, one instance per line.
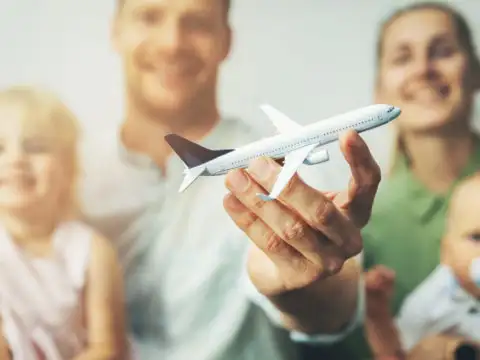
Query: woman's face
x=425 y=71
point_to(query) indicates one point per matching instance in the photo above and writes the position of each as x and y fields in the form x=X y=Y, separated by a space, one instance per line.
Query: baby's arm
x=380 y=327
x=4 y=349
x=105 y=305
x=384 y=339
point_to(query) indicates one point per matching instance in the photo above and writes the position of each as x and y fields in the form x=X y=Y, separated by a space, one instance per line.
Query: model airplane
x=295 y=144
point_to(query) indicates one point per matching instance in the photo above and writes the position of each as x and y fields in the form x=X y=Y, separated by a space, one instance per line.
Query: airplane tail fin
x=192 y=154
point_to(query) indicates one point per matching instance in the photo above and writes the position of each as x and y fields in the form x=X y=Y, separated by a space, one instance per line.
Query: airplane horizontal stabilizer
x=191 y=175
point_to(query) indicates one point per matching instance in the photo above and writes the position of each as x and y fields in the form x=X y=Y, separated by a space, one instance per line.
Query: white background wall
x=309 y=58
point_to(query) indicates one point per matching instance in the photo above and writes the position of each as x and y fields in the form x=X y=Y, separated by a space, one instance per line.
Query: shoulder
x=84 y=234
x=108 y=183
x=89 y=241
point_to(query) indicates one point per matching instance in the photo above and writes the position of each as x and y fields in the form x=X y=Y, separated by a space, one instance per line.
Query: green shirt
x=404 y=233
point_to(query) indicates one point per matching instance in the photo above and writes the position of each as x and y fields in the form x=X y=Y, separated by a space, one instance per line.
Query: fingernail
x=353 y=142
x=260 y=168
x=238 y=181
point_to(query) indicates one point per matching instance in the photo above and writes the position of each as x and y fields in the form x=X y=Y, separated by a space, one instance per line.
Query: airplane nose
x=394 y=111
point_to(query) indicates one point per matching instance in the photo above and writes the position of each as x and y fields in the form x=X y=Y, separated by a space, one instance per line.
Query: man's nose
x=169 y=37
x=424 y=67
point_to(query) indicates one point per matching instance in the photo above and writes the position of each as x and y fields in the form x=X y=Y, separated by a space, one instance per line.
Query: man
x=193 y=279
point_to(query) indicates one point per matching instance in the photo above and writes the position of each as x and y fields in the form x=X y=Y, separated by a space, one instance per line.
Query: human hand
x=379 y=286
x=305 y=235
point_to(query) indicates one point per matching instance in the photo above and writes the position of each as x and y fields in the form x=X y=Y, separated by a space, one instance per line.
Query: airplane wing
x=281 y=121
x=292 y=161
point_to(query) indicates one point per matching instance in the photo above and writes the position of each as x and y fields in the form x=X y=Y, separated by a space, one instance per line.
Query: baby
x=446 y=304
x=61 y=292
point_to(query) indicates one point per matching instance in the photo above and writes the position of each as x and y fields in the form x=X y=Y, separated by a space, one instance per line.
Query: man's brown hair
x=226 y=4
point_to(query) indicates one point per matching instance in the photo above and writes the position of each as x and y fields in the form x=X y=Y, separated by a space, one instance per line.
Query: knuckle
x=273 y=243
x=294 y=231
x=325 y=213
x=314 y=274
x=355 y=245
x=336 y=265
x=306 y=273
x=256 y=202
x=372 y=178
x=377 y=175
x=249 y=220
x=301 y=265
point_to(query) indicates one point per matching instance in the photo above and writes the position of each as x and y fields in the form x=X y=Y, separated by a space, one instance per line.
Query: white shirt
x=438 y=306
x=187 y=288
x=41 y=298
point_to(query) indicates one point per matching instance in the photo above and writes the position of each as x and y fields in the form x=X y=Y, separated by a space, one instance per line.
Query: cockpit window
x=390 y=109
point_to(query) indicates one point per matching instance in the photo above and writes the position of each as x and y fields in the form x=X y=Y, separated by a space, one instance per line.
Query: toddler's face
x=33 y=172
x=461 y=247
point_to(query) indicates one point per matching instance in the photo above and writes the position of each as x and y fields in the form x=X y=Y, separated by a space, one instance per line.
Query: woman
x=428 y=67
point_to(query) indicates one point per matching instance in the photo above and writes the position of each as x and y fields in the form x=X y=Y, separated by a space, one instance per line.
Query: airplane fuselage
x=320 y=133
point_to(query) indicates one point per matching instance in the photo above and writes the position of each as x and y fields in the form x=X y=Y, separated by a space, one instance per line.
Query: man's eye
x=474 y=237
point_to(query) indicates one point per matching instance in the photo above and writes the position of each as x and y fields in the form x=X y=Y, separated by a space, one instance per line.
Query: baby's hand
x=379 y=283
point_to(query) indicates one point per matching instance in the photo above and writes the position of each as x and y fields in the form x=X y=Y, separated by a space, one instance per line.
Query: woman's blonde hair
x=47 y=113
x=465 y=38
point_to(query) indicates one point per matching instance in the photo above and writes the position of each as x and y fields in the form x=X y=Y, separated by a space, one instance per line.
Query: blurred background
x=309 y=58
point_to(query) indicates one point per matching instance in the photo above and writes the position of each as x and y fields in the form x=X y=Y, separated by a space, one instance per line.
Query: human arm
x=105 y=305
x=4 y=349
x=303 y=240
x=380 y=328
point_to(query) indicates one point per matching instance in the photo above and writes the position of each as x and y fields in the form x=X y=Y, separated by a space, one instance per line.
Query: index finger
x=366 y=176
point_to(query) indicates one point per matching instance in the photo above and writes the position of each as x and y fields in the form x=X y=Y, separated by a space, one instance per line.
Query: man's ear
x=476 y=74
x=227 y=46
x=115 y=33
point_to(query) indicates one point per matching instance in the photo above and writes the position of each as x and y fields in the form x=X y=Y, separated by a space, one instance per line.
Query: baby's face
x=33 y=171
x=461 y=247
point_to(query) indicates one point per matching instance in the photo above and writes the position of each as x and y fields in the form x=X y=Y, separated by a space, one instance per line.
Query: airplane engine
x=317 y=157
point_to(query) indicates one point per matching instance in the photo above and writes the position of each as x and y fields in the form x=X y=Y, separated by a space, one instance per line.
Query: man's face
x=171 y=50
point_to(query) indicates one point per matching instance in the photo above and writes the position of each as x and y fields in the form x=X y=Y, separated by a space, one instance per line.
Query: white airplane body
x=296 y=144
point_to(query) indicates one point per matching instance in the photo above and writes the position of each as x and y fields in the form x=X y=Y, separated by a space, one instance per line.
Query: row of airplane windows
x=303 y=141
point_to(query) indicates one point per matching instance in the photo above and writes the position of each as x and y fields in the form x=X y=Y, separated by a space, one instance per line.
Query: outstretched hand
x=305 y=235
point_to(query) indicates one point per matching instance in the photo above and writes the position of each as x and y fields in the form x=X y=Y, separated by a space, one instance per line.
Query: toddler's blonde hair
x=47 y=113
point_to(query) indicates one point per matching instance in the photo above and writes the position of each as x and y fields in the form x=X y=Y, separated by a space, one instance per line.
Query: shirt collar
x=423 y=203
x=143 y=161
